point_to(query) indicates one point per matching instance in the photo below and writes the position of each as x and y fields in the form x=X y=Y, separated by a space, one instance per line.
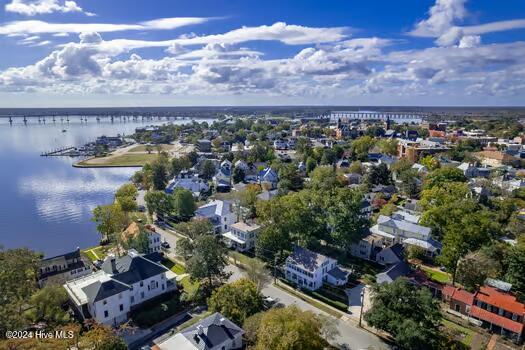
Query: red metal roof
x=496 y=319
x=459 y=294
x=499 y=299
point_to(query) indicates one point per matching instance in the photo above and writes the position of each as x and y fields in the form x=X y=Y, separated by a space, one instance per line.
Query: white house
x=280 y=144
x=310 y=270
x=242 y=236
x=192 y=183
x=123 y=283
x=215 y=332
x=222 y=178
x=220 y=213
x=399 y=230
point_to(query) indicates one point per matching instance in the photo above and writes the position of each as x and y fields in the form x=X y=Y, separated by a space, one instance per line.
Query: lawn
x=176 y=267
x=142 y=148
x=241 y=258
x=94 y=252
x=121 y=160
x=189 y=286
x=157 y=310
x=465 y=333
x=436 y=275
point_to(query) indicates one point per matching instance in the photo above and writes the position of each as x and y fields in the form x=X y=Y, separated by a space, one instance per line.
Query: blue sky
x=165 y=53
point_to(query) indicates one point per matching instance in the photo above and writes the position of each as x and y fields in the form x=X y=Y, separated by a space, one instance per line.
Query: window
x=106 y=314
x=132 y=299
x=121 y=307
x=104 y=302
x=141 y=283
x=142 y=295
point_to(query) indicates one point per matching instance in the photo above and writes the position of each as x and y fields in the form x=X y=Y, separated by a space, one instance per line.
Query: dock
x=62 y=152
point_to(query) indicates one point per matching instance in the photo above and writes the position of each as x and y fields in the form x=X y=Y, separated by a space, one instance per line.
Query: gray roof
x=398 y=270
x=306 y=259
x=339 y=274
x=403 y=225
x=217 y=207
x=214 y=332
x=131 y=269
x=102 y=290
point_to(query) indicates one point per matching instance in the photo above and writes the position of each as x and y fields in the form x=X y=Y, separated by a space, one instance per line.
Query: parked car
x=165 y=245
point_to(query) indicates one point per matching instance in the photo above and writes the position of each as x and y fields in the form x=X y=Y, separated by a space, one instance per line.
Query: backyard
x=435 y=274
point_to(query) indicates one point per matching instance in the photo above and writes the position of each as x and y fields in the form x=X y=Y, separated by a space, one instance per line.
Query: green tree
x=248 y=198
x=255 y=270
x=474 y=268
x=388 y=146
x=289 y=178
x=207 y=169
x=18 y=269
x=238 y=175
x=208 y=261
x=195 y=228
x=184 y=248
x=237 y=300
x=179 y=164
x=159 y=202
x=47 y=305
x=441 y=176
x=430 y=162
x=323 y=178
x=183 y=203
x=102 y=338
x=127 y=190
x=378 y=175
x=409 y=313
x=515 y=274
x=159 y=170
x=287 y=328
x=361 y=146
x=110 y=220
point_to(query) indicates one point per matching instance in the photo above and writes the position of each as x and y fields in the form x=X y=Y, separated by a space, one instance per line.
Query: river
x=45 y=203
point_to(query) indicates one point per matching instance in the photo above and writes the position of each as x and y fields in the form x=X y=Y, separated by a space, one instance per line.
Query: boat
x=64 y=130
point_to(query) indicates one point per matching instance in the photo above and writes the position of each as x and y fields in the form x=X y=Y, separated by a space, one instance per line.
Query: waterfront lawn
x=96 y=253
x=142 y=148
x=121 y=160
x=154 y=311
x=436 y=275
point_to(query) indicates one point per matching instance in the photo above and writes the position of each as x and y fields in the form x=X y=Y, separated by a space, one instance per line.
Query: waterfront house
x=310 y=270
x=133 y=231
x=123 y=283
x=62 y=268
x=220 y=213
x=215 y=332
x=242 y=236
x=192 y=183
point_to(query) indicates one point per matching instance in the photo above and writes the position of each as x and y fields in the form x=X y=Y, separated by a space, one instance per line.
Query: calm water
x=45 y=203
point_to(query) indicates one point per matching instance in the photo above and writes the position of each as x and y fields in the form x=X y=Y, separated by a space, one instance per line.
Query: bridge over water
x=396 y=117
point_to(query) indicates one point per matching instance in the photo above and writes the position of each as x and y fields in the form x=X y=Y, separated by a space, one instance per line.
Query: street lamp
x=362 y=304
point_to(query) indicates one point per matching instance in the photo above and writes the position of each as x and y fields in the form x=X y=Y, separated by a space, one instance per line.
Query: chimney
x=222 y=321
x=200 y=329
x=113 y=261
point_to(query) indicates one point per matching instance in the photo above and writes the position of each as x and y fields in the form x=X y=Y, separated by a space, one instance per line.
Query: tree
x=208 y=261
x=407 y=312
x=323 y=178
x=101 y=337
x=159 y=169
x=345 y=223
x=289 y=178
x=286 y=328
x=255 y=270
x=311 y=163
x=183 y=203
x=361 y=146
x=47 y=306
x=18 y=269
x=248 y=198
x=474 y=269
x=179 y=164
x=515 y=274
x=195 y=228
x=238 y=175
x=378 y=175
x=388 y=146
x=237 y=300
x=207 y=169
x=443 y=175
x=184 y=248
x=356 y=167
x=110 y=220
x=430 y=162
x=128 y=204
x=127 y=190
x=159 y=202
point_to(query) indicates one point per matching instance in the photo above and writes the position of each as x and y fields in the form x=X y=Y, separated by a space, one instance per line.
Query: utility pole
x=275 y=270
x=362 y=304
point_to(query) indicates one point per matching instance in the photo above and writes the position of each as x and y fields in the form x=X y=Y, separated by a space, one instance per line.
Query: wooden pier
x=61 y=152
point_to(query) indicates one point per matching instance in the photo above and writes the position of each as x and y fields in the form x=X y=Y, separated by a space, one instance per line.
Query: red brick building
x=498 y=310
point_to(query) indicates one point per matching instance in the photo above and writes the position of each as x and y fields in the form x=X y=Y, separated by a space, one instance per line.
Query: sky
x=111 y=53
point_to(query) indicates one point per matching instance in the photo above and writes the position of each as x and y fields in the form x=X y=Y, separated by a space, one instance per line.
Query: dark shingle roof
x=129 y=270
x=390 y=275
x=337 y=273
x=102 y=290
x=213 y=332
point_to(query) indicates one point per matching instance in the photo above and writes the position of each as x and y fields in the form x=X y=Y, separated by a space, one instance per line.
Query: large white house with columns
x=123 y=283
